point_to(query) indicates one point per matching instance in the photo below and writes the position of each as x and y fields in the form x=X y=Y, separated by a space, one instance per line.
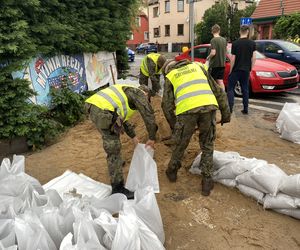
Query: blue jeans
x=243 y=78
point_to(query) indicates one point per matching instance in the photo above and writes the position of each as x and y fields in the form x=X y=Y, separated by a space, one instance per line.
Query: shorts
x=217 y=73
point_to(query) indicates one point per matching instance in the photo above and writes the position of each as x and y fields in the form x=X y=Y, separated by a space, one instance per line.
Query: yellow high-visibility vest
x=191 y=88
x=144 y=68
x=113 y=98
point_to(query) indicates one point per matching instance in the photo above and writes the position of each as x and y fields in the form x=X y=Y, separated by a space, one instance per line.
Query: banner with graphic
x=78 y=72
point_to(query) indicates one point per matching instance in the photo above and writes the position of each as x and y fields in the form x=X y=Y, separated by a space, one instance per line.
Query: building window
x=156 y=32
x=167 y=6
x=180 y=29
x=146 y=35
x=131 y=36
x=180 y=5
x=138 y=22
x=155 y=12
x=167 y=30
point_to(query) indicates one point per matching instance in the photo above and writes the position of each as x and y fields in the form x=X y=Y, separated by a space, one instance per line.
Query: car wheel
x=238 y=89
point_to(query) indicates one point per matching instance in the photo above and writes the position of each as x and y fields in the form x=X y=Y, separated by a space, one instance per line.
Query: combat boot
x=119 y=188
x=207 y=185
x=171 y=174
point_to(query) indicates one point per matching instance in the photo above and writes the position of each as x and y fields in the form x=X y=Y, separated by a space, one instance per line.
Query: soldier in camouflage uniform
x=196 y=99
x=151 y=67
x=110 y=109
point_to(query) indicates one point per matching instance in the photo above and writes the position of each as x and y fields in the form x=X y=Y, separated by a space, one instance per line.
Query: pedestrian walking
x=151 y=68
x=217 y=56
x=110 y=109
x=242 y=61
x=195 y=96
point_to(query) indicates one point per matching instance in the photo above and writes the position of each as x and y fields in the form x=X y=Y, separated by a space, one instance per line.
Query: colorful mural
x=78 y=72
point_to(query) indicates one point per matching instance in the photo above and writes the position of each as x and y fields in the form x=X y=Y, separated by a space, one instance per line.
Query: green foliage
x=288 y=26
x=67 y=107
x=219 y=14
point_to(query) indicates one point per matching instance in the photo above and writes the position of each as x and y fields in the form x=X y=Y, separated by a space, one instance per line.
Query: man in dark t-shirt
x=242 y=61
x=217 y=56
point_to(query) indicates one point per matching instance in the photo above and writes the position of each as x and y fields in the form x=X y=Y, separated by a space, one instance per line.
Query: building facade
x=169 y=23
x=267 y=12
x=140 y=31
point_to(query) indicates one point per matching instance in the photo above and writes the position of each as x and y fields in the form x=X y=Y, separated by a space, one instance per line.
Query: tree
x=288 y=26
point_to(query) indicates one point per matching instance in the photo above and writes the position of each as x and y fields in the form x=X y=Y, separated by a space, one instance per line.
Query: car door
x=200 y=54
x=273 y=50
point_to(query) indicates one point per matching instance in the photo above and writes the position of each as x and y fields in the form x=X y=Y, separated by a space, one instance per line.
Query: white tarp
x=288 y=122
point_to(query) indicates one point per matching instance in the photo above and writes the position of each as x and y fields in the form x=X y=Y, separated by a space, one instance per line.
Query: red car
x=268 y=75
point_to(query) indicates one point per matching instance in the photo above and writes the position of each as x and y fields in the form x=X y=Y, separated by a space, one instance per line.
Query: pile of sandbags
x=67 y=214
x=288 y=122
x=264 y=182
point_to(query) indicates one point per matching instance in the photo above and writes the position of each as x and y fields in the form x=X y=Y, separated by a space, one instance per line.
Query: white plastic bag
x=17 y=166
x=143 y=170
x=251 y=192
x=291 y=185
x=147 y=210
x=288 y=122
x=280 y=201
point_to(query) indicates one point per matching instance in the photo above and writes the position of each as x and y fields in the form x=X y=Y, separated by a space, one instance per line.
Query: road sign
x=246 y=21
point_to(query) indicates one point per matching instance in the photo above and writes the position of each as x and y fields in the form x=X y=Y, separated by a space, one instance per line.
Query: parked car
x=281 y=50
x=130 y=54
x=267 y=76
x=146 y=48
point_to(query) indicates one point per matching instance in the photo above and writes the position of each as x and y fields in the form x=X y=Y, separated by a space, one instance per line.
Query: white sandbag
x=227 y=182
x=54 y=197
x=146 y=208
x=10 y=206
x=83 y=184
x=291 y=185
x=288 y=122
x=264 y=177
x=13 y=247
x=109 y=224
x=295 y=213
x=280 y=201
x=84 y=231
x=251 y=192
x=17 y=166
x=127 y=234
x=31 y=235
x=7 y=233
x=53 y=223
x=143 y=170
x=67 y=244
x=113 y=203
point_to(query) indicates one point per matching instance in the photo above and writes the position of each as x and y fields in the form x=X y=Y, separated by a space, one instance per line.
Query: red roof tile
x=270 y=8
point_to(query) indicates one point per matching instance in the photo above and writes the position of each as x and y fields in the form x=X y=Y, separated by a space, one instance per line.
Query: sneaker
x=171 y=174
x=207 y=185
x=244 y=112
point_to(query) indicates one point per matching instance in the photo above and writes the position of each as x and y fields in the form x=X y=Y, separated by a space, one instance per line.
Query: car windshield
x=258 y=55
x=290 y=46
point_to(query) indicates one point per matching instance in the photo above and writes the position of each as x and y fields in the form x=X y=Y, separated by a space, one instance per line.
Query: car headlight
x=265 y=74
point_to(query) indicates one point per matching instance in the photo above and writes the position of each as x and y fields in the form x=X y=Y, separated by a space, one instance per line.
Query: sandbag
x=251 y=192
x=143 y=170
x=291 y=185
x=83 y=185
x=146 y=208
x=288 y=122
x=264 y=177
x=295 y=213
x=13 y=247
x=227 y=182
x=17 y=166
x=7 y=233
x=280 y=201
x=31 y=234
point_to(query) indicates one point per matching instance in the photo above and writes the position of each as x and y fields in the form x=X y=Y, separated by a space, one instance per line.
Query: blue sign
x=246 y=21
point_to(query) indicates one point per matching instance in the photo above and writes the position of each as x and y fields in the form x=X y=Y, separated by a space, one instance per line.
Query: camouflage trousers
x=111 y=143
x=143 y=80
x=183 y=131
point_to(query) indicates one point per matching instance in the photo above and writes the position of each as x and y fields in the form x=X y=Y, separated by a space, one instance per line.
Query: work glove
x=225 y=119
x=117 y=126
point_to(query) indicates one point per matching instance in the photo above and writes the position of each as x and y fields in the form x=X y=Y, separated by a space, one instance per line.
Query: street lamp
x=231 y=10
